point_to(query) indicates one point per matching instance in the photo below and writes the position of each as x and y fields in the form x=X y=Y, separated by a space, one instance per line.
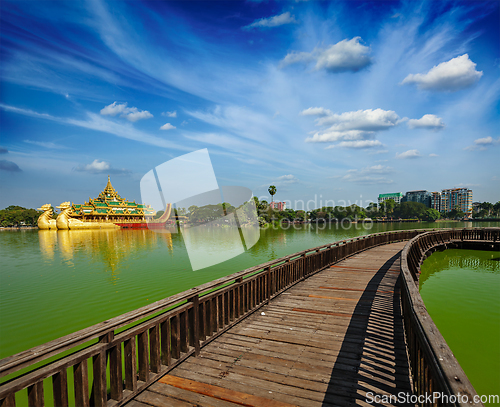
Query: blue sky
x=326 y=100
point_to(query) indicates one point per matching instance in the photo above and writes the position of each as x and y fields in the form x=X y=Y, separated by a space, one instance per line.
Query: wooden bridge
x=341 y=324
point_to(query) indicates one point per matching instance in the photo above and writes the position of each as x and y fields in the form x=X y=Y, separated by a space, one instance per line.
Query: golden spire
x=109 y=191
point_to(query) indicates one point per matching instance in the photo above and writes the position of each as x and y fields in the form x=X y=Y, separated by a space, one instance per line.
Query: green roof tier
x=109 y=202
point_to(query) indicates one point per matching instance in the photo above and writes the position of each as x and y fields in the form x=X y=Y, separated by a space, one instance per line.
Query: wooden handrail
x=434 y=367
x=165 y=332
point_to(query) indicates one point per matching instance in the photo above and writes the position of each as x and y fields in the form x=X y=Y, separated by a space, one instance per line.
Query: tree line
x=388 y=209
x=487 y=210
x=15 y=216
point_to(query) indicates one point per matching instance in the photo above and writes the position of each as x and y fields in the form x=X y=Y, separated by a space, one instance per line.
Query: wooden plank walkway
x=327 y=341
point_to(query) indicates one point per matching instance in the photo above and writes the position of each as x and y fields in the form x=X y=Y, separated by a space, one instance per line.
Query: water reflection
x=477 y=261
x=107 y=246
x=48 y=241
x=208 y=245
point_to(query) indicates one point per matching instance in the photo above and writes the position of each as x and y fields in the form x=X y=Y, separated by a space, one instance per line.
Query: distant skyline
x=338 y=100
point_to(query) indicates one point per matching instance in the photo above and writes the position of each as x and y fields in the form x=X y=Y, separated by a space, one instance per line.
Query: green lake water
x=53 y=283
x=461 y=290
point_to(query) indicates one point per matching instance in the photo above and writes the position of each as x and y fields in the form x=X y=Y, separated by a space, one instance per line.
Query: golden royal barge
x=109 y=210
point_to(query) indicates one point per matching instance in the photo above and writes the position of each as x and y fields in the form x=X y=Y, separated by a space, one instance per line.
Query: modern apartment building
x=457 y=198
x=435 y=202
x=420 y=196
x=444 y=201
x=396 y=196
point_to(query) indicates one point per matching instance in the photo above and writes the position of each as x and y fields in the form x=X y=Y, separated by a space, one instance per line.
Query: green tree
x=300 y=215
x=410 y=210
x=272 y=192
x=496 y=209
x=455 y=214
x=387 y=207
x=15 y=215
x=432 y=215
x=486 y=206
x=372 y=210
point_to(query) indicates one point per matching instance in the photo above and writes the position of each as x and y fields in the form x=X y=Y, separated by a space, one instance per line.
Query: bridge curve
x=434 y=368
x=350 y=337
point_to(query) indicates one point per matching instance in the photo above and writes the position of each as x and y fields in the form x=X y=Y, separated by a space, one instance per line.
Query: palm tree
x=272 y=192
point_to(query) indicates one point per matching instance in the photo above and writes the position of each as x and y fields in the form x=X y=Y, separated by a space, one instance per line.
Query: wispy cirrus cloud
x=346 y=55
x=3 y=150
x=96 y=122
x=46 y=144
x=130 y=113
x=427 y=121
x=274 y=21
x=455 y=74
x=369 y=175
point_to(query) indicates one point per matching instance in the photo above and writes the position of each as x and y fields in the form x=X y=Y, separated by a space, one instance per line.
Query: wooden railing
x=120 y=359
x=434 y=368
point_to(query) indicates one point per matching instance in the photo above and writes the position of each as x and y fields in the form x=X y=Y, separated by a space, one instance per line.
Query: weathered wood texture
x=434 y=368
x=327 y=341
x=126 y=354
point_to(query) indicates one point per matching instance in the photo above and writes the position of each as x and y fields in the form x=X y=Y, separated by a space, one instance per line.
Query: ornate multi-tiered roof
x=109 y=206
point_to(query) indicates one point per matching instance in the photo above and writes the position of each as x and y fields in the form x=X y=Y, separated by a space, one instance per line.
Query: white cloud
x=130 y=113
x=453 y=75
x=167 y=126
x=100 y=167
x=346 y=55
x=332 y=136
x=274 y=21
x=170 y=114
x=408 y=154
x=366 y=120
x=287 y=179
x=316 y=111
x=297 y=58
x=134 y=116
x=433 y=155
x=96 y=166
x=428 y=121
x=352 y=129
x=482 y=143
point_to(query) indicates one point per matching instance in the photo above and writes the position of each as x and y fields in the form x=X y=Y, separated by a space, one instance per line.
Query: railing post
x=194 y=324
x=81 y=383
x=99 y=387
x=268 y=290
x=60 y=388
x=115 y=372
x=238 y=298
